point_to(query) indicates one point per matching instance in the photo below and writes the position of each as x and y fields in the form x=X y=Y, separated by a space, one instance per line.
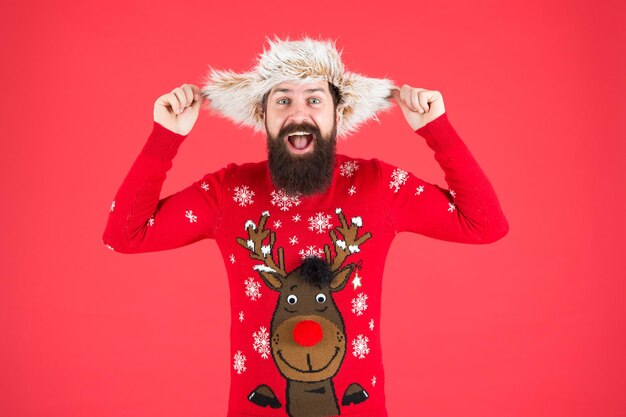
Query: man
x=304 y=235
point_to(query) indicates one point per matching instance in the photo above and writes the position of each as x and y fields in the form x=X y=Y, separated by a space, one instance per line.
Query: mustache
x=299 y=127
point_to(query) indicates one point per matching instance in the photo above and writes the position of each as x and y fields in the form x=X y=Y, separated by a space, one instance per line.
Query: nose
x=299 y=113
x=307 y=333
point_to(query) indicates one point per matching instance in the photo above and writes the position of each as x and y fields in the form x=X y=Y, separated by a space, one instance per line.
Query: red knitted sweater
x=305 y=337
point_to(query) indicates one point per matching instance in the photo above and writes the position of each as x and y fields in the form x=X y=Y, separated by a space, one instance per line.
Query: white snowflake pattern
x=231 y=258
x=261 y=342
x=243 y=195
x=352 y=190
x=285 y=201
x=452 y=193
x=398 y=178
x=320 y=222
x=373 y=381
x=311 y=251
x=204 y=186
x=293 y=240
x=419 y=190
x=450 y=207
x=252 y=289
x=371 y=324
x=192 y=217
x=239 y=363
x=359 y=304
x=151 y=221
x=113 y=205
x=359 y=346
x=348 y=168
x=296 y=218
x=278 y=224
x=241 y=316
x=356 y=281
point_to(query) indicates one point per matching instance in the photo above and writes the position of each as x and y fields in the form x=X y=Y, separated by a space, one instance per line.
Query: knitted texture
x=305 y=338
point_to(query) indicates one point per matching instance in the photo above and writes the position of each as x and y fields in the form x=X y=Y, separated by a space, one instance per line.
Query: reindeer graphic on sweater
x=307 y=332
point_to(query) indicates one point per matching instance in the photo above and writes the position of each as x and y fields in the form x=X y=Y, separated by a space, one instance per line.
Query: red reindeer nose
x=307 y=333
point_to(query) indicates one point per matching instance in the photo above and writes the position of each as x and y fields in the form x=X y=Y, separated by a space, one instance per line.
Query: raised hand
x=179 y=109
x=419 y=105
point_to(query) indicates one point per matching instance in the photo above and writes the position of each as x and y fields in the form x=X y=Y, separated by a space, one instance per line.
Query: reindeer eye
x=292 y=299
x=320 y=298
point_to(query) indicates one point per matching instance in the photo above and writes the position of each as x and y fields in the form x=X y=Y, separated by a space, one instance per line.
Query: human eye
x=283 y=101
x=315 y=100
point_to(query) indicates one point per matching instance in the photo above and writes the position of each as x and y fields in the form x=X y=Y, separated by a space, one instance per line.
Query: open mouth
x=300 y=142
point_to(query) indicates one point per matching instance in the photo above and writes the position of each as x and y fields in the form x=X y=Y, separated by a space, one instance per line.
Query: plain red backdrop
x=532 y=325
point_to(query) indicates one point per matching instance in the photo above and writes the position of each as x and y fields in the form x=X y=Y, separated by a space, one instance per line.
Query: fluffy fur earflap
x=238 y=97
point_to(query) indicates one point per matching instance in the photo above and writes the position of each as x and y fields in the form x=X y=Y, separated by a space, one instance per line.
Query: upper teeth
x=300 y=133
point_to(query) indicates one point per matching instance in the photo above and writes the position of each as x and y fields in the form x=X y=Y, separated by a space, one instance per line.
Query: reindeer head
x=307 y=331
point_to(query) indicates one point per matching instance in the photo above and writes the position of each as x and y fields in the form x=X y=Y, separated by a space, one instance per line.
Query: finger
x=198 y=98
x=188 y=94
x=404 y=97
x=424 y=99
x=168 y=99
x=196 y=92
x=415 y=103
x=180 y=97
x=408 y=97
x=397 y=95
x=400 y=96
x=162 y=100
x=176 y=100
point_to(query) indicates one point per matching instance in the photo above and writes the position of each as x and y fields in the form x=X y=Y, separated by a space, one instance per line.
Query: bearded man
x=304 y=235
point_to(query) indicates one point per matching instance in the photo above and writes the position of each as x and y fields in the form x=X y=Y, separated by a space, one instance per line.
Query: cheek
x=325 y=124
x=273 y=123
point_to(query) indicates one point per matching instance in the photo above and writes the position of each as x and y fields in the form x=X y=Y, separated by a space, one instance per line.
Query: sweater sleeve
x=468 y=211
x=139 y=221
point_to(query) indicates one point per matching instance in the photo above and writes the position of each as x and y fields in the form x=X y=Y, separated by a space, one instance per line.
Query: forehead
x=290 y=87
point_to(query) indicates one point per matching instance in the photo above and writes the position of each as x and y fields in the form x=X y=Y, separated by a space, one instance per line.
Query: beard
x=302 y=174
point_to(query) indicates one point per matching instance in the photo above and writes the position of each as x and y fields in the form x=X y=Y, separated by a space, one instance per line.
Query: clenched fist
x=178 y=110
x=419 y=105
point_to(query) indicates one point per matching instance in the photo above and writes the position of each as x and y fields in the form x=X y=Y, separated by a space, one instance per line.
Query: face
x=301 y=125
x=308 y=336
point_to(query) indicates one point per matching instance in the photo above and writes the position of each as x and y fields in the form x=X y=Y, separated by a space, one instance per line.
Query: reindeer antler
x=262 y=252
x=350 y=242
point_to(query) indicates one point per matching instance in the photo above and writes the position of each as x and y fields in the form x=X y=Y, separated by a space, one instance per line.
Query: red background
x=532 y=325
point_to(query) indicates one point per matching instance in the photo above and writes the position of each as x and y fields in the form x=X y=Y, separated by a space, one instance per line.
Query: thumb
x=197 y=100
x=395 y=93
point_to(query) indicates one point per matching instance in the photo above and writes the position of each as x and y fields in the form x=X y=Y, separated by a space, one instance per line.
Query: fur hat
x=239 y=96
